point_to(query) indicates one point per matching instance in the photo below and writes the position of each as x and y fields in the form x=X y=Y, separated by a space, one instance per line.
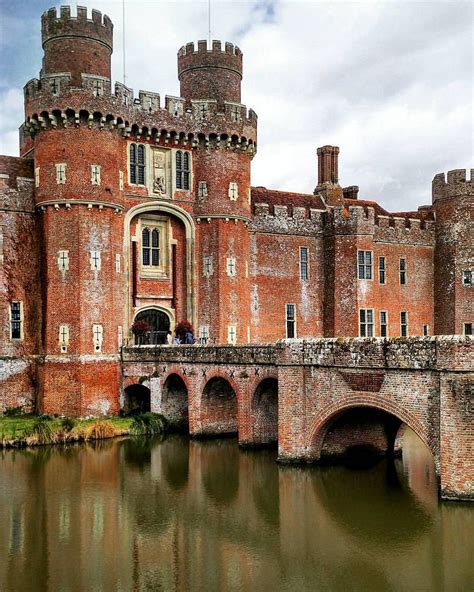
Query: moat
x=180 y=514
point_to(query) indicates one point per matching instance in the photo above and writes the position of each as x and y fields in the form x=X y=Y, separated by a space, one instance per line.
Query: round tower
x=453 y=204
x=210 y=74
x=210 y=82
x=76 y=45
x=79 y=193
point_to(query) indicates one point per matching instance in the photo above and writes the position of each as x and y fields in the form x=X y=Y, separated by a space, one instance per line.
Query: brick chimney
x=327 y=165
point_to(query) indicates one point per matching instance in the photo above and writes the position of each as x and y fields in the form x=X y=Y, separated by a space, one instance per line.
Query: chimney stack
x=328 y=165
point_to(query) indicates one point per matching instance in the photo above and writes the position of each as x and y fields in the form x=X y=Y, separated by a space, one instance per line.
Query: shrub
x=40 y=431
x=140 y=326
x=99 y=430
x=13 y=411
x=148 y=424
x=67 y=424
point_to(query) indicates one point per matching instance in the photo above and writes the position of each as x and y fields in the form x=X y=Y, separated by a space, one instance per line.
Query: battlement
x=454 y=184
x=99 y=27
x=299 y=220
x=190 y=57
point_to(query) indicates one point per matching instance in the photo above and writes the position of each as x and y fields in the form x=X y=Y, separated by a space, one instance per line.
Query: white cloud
x=391 y=83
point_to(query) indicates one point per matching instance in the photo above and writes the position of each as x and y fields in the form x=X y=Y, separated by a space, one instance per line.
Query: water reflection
x=175 y=514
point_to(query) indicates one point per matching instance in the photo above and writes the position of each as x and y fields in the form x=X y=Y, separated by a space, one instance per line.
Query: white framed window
x=61 y=173
x=232 y=334
x=467 y=328
x=63 y=260
x=231 y=267
x=95 y=260
x=37 y=176
x=16 y=320
x=95 y=174
x=403 y=271
x=382 y=271
x=183 y=169
x=364 y=265
x=204 y=334
x=233 y=191
x=304 y=270
x=153 y=235
x=426 y=330
x=383 y=323
x=290 y=319
x=121 y=183
x=136 y=162
x=366 y=322
x=150 y=247
x=63 y=338
x=118 y=260
x=467 y=277
x=207 y=266
x=403 y=323
x=97 y=337
x=202 y=189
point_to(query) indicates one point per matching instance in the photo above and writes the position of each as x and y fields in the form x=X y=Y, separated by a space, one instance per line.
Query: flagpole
x=123 y=40
x=209 y=21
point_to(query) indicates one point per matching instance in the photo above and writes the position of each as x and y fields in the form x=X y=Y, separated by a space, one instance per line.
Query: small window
x=231 y=334
x=150 y=247
x=63 y=338
x=137 y=164
x=16 y=320
x=382 y=270
x=95 y=174
x=366 y=322
x=97 y=337
x=290 y=321
x=467 y=277
x=61 y=173
x=364 y=260
x=207 y=266
x=95 y=260
x=63 y=260
x=231 y=266
x=426 y=330
x=404 y=323
x=403 y=271
x=204 y=334
x=383 y=323
x=304 y=275
x=467 y=328
x=202 y=189
x=182 y=170
x=233 y=191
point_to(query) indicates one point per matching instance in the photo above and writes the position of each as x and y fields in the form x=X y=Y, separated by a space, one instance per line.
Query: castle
x=121 y=209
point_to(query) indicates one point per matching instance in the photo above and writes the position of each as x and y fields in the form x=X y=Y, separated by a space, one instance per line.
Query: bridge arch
x=331 y=413
x=265 y=411
x=174 y=401
x=219 y=407
x=137 y=398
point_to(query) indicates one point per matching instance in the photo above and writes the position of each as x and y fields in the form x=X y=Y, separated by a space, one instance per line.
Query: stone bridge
x=319 y=398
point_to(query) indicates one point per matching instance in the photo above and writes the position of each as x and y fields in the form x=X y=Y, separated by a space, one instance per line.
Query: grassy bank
x=31 y=430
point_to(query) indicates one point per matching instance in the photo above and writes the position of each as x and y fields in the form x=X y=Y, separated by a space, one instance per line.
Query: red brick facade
x=101 y=170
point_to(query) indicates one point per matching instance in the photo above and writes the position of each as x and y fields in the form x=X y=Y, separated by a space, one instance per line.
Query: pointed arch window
x=150 y=247
x=183 y=170
x=137 y=164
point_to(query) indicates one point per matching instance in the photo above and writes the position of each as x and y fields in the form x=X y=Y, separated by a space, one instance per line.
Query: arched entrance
x=265 y=412
x=218 y=408
x=137 y=399
x=174 y=402
x=152 y=326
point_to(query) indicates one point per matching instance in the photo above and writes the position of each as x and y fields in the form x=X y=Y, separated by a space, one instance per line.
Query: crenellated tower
x=453 y=203
x=79 y=199
x=210 y=83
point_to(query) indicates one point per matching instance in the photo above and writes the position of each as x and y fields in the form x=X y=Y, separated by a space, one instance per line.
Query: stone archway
x=218 y=408
x=137 y=399
x=265 y=412
x=158 y=322
x=174 y=402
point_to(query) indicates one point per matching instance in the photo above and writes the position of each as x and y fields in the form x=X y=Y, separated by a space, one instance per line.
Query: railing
x=151 y=338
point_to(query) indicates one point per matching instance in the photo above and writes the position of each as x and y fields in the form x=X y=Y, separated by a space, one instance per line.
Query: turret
x=453 y=203
x=210 y=74
x=76 y=45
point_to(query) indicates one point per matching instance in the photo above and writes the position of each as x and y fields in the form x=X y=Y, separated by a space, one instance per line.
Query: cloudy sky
x=390 y=83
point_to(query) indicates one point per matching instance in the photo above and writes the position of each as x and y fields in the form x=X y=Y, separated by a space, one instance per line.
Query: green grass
x=14 y=428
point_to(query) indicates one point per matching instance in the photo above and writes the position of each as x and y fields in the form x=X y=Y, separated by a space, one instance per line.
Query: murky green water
x=183 y=515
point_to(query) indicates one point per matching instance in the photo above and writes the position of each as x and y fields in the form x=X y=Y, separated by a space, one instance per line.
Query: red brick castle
x=122 y=210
